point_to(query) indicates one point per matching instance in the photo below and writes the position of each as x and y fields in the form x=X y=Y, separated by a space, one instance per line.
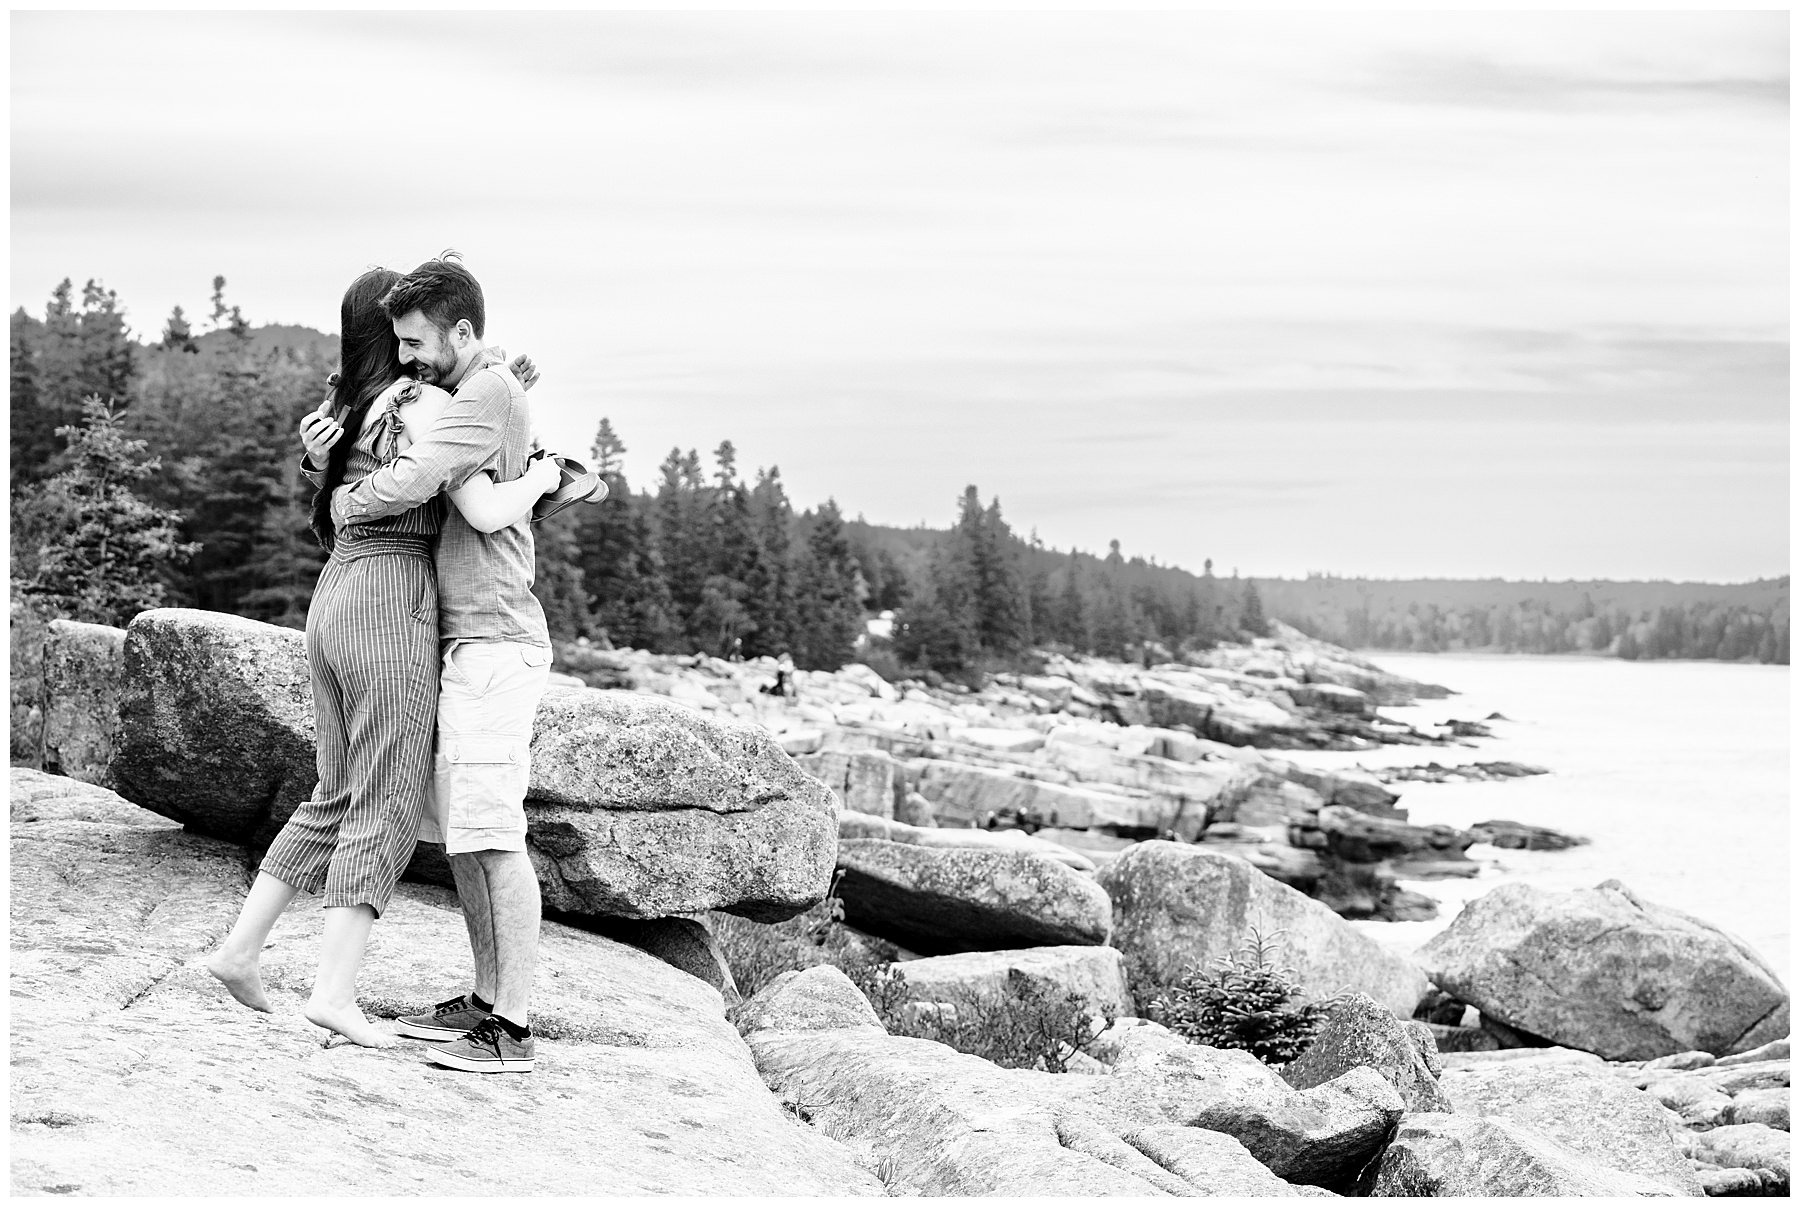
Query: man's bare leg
x=478 y=916
x=502 y=908
x=516 y=909
x=238 y=961
x=333 y=1002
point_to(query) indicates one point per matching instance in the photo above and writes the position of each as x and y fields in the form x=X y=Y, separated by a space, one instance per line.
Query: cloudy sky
x=1385 y=294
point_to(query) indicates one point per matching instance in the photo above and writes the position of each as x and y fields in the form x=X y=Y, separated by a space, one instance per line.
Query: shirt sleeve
x=465 y=440
x=315 y=476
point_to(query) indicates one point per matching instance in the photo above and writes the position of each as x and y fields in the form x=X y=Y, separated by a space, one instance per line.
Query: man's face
x=431 y=353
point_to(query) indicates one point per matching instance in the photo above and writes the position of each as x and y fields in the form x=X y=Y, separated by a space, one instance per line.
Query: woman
x=372 y=646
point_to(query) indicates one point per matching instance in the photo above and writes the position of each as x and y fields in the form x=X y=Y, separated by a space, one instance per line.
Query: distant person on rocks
x=785 y=682
x=784 y=685
x=372 y=647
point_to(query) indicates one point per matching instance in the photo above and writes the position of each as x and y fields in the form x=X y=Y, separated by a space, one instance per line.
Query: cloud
x=1224 y=264
x=1486 y=83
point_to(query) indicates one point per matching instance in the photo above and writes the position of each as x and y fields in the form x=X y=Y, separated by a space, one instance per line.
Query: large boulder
x=1585 y=1109
x=83 y=667
x=631 y=863
x=1603 y=970
x=820 y=998
x=1096 y=973
x=638 y=807
x=619 y=750
x=942 y=900
x=1358 y=1033
x=1319 y=1136
x=938 y=1122
x=133 y=1074
x=1176 y=905
x=215 y=722
x=1443 y=1156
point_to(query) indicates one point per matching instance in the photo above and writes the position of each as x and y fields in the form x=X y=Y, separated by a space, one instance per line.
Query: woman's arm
x=490 y=506
x=487 y=505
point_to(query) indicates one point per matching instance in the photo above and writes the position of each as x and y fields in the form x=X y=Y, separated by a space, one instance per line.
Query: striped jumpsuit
x=372 y=646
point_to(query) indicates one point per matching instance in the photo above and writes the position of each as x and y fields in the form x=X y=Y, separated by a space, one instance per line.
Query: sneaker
x=446 y=1020
x=487 y=1049
x=579 y=485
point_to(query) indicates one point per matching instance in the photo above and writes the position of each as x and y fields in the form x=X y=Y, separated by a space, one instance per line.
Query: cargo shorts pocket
x=481 y=782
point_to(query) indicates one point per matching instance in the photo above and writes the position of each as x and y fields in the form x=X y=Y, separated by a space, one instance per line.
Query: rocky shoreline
x=1095 y=828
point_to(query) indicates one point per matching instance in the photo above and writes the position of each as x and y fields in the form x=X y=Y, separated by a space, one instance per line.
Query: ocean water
x=1677 y=772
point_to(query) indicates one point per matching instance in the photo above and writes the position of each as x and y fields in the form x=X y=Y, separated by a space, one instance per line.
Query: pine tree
x=738 y=568
x=609 y=451
x=558 y=580
x=721 y=620
x=1040 y=603
x=177 y=335
x=286 y=559
x=683 y=536
x=615 y=551
x=1071 y=617
x=828 y=611
x=78 y=351
x=769 y=584
x=105 y=343
x=1003 y=609
x=1252 y=621
x=628 y=600
x=32 y=429
x=939 y=628
x=1112 y=627
x=218 y=302
x=108 y=562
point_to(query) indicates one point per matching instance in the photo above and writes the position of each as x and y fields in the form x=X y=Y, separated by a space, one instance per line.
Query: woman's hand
x=318 y=432
x=525 y=369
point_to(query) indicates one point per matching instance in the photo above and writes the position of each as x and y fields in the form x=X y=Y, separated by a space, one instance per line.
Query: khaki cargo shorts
x=487 y=699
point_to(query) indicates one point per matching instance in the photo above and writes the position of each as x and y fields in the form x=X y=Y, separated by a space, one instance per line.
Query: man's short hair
x=444 y=291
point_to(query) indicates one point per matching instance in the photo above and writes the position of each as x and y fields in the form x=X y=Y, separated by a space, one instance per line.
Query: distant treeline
x=1733 y=622
x=161 y=472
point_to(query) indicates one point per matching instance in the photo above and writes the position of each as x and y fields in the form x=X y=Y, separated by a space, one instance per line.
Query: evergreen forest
x=163 y=471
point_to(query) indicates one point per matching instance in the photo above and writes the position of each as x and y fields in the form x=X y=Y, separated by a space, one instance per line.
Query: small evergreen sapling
x=1244 y=1000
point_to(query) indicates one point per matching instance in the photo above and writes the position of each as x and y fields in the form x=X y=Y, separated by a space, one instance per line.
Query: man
x=496 y=659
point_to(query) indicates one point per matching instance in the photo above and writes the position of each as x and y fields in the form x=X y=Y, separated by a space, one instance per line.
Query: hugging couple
x=423 y=623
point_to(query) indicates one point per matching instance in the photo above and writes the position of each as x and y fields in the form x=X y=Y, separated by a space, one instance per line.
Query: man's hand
x=544 y=473
x=318 y=432
x=524 y=369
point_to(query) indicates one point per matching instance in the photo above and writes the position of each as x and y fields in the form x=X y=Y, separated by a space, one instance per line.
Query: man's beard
x=429 y=373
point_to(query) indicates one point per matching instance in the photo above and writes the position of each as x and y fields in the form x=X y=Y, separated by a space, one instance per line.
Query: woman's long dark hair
x=368 y=363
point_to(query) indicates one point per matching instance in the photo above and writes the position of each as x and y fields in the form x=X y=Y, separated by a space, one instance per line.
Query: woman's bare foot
x=242 y=975
x=348 y=1022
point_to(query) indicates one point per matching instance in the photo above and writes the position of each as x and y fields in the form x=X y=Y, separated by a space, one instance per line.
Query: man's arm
x=459 y=444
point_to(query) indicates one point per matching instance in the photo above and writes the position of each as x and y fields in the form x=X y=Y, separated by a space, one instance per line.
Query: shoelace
x=485 y=1034
x=450 y=1007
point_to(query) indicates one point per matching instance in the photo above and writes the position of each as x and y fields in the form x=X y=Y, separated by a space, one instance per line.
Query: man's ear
x=464 y=332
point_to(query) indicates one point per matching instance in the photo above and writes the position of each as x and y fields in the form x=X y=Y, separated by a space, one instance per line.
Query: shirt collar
x=485 y=358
